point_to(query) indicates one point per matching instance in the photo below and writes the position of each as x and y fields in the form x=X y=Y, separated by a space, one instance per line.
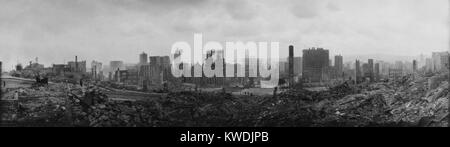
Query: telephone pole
x=1 y=82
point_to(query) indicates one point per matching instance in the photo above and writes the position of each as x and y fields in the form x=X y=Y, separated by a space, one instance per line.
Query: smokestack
x=76 y=63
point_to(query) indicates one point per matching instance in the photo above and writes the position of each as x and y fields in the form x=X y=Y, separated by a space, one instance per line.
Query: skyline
x=56 y=31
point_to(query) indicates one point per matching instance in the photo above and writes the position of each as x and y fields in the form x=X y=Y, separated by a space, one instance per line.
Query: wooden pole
x=1 y=92
x=1 y=82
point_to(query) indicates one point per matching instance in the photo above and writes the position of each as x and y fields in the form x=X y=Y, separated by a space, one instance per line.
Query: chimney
x=76 y=63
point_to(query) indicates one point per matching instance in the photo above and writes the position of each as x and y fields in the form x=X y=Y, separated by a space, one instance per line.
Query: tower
x=291 y=64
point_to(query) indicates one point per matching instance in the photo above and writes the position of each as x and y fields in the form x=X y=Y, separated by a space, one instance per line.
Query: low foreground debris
x=407 y=102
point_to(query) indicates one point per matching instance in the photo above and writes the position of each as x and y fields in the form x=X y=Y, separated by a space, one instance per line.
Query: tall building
x=398 y=65
x=428 y=65
x=444 y=62
x=377 y=72
x=439 y=60
x=315 y=64
x=339 y=65
x=370 y=68
x=114 y=65
x=415 y=65
x=358 y=71
x=291 y=64
x=283 y=67
x=365 y=72
x=155 y=73
x=1 y=88
x=384 y=68
x=165 y=61
x=155 y=60
x=421 y=62
x=143 y=58
x=297 y=66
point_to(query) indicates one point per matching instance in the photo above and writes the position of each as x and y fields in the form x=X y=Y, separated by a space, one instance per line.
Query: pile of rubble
x=408 y=102
x=411 y=101
x=90 y=107
x=299 y=107
x=424 y=103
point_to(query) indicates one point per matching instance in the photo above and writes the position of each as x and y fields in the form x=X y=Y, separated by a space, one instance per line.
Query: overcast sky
x=56 y=30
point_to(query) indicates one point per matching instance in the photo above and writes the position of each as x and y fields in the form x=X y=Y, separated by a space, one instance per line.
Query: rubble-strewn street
x=411 y=101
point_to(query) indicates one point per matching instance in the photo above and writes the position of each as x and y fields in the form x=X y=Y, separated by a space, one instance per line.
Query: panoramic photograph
x=224 y=63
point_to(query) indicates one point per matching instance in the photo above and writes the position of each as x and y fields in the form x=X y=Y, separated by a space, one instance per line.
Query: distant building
x=129 y=76
x=34 y=66
x=366 y=72
x=155 y=60
x=339 y=66
x=19 y=67
x=97 y=70
x=77 y=66
x=395 y=73
x=283 y=67
x=155 y=73
x=291 y=64
x=132 y=76
x=114 y=65
x=315 y=64
x=60 y=69
x=377 y=72
x=143 y=58
x=358 y=71
x=445 y=62
x=371 y=72
x=428 y=65
x=120 y=76
x=110 y=76
x=398 y=65
x=150 y=75
x=415 y=65
x=298 y=66
x=439 y=59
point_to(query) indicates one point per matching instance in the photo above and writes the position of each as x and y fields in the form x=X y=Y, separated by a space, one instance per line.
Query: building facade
x=315 y=64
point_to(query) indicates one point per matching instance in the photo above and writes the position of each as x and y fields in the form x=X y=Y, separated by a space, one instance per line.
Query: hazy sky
x=56 y=30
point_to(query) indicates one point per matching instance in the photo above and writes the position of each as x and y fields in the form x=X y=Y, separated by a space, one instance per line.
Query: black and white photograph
x=224 y=63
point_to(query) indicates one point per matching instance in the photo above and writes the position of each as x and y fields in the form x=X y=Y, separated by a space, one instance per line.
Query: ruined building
x=97 y=70
x=60 y=69
x=439 y=60
x=77 y=66
x=156 y=72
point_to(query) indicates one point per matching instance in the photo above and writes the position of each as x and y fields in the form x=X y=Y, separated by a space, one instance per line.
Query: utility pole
x=1 y=82
x=1 y=92
x=291 y=66
x=448 y=66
